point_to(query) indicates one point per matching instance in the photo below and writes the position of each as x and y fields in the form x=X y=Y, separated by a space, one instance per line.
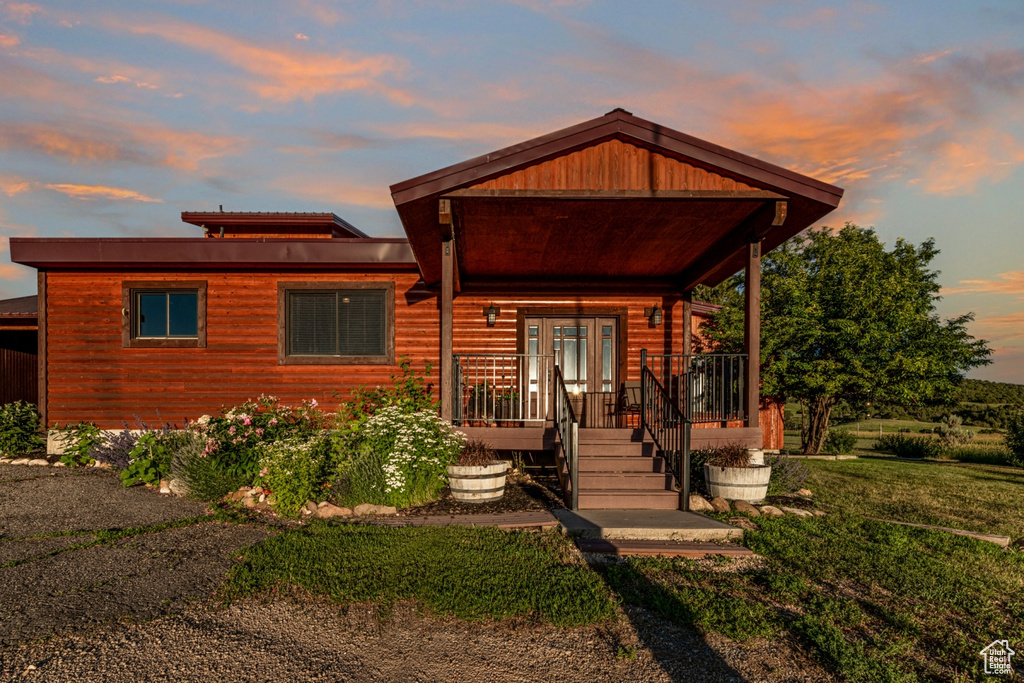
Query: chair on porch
x=631 y=402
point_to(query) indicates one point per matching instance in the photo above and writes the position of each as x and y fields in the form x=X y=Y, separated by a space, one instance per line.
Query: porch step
x=661 y=548
x=627 y=499
x=597 y=435
x=621 y=448
x=639 y=481
x=621 y=463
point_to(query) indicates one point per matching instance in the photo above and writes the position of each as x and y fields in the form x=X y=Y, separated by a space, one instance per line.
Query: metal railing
x=568 y=428
x=708 y=387
x=669 y=428
x=509 y=389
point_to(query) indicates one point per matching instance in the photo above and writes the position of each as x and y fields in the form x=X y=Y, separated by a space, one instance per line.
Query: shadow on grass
x=681 y=652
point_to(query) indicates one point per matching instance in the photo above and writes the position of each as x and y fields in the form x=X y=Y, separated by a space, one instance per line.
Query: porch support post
x=447 y=294
x=687 y=322
x=752 y=331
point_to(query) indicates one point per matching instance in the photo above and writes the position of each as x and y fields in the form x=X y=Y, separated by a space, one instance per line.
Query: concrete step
x=617 y=448
x=627 y=499
x=640 y=481
x=621 y=463
x=660 y=548
x=660 y=525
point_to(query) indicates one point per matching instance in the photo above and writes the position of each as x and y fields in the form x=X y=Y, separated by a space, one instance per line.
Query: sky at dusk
x=117 y=116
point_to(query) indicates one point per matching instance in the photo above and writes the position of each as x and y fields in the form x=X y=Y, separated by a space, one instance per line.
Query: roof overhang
x=659 y=236
x=239 y=253
x=593 y=236
x=328 y=222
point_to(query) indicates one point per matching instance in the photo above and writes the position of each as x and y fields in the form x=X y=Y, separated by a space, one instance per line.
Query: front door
x=586 y=351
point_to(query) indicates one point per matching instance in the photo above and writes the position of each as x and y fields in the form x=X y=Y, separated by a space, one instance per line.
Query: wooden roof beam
x=753 y=229
x=446 y=218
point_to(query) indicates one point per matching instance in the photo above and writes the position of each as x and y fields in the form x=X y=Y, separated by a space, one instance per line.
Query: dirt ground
x=141 y=608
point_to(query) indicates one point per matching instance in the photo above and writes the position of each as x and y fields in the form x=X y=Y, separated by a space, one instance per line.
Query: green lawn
x=872 y=601
x=984 y=498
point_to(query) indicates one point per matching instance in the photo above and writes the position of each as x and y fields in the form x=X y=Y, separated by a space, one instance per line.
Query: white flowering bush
x=294 y=470
x=397 y=457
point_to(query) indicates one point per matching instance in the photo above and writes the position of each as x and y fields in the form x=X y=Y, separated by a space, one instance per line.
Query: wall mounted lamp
x=491 y=313
x=654 y=316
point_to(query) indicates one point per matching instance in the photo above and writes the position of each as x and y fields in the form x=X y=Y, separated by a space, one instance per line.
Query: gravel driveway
x=139 y=608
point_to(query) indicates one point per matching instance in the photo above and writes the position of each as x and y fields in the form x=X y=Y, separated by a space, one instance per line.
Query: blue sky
x=117 y=116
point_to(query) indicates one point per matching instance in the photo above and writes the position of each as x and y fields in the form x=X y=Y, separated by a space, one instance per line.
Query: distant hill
x=983 y=391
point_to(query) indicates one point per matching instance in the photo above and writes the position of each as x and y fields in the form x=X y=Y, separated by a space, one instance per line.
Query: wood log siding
x=91 y=377
x=613 y=165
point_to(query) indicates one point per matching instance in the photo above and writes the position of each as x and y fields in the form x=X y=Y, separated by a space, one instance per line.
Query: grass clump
x=20 y=430
x=476 y=453
x=470 y=573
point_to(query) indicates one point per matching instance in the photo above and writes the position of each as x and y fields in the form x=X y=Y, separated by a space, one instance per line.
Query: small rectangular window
x=164 y=314
x=336 y=323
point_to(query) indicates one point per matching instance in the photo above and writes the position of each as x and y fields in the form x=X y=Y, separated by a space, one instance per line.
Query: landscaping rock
x=322 y=503
x=58 y=464
x=178 y=487
x=101 y=465
x=805 y=493
x=263 y=497
x=796 y=511
x=249 y=502
x=310 y=507
x=744 y=523
x=236 y=496
x=772 y=511
x=720 y=504
x=818 y=513
x=166 y=490
x=5 y=461
x=327 y=510
x=20 y=461
x=745 y=507
x=39 y=462
x=699 y=504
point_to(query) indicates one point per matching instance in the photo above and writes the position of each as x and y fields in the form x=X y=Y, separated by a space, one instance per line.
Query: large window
x=164 y=314
x=336 y=323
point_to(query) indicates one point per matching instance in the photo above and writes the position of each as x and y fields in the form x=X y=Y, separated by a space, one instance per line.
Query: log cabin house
x=548 y=283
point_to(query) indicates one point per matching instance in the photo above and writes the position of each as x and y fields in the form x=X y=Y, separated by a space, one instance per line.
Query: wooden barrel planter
x=738 y=483
x=478 y=484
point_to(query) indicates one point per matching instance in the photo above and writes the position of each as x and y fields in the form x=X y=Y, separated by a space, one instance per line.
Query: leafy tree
x=844 y=319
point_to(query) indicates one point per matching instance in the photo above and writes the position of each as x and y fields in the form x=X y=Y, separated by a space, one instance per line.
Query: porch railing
x=708 y=387
x=661 y=418
x=508 y=389
x=568 y=428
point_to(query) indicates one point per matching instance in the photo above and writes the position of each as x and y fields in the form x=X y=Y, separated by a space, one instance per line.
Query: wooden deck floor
x=536 y=519
x=660 y=548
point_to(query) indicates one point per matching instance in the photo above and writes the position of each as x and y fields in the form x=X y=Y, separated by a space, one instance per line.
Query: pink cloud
x=20 y=12
x=283 y=75
x=1011 y=282
x=89 y=192
x=9 y=40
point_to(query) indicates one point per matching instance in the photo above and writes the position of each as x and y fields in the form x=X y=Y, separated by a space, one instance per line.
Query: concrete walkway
x=650 y=525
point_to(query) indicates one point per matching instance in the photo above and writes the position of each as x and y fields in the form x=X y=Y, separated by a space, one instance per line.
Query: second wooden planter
x=478 y=484
x=738 y=483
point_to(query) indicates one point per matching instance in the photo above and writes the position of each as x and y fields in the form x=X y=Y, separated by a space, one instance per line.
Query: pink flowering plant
x=233 y=439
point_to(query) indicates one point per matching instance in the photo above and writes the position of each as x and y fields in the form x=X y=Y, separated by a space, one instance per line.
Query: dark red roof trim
x=381 y=254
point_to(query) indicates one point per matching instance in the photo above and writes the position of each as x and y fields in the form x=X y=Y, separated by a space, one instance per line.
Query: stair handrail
x=669 y=429
x=568 y=428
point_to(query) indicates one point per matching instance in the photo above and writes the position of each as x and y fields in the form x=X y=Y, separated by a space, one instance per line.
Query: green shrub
x=19 y=429
x=909 y=446
x=395 y=458
x=981 y=454
x=77 y=442
x=839 y=442
x=203 y=475
x=1015 y=440
x=149 y=461
x=295 y=470
x=952 y=432
x=408 y=391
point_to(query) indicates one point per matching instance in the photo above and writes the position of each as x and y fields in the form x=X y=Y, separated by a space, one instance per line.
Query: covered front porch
x=565 y=268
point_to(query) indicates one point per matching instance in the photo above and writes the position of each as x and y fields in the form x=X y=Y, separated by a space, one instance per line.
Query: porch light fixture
x=492 y=312
x=654 y=316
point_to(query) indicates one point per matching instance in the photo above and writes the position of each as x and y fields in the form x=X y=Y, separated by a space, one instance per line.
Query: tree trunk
x=820 y=409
